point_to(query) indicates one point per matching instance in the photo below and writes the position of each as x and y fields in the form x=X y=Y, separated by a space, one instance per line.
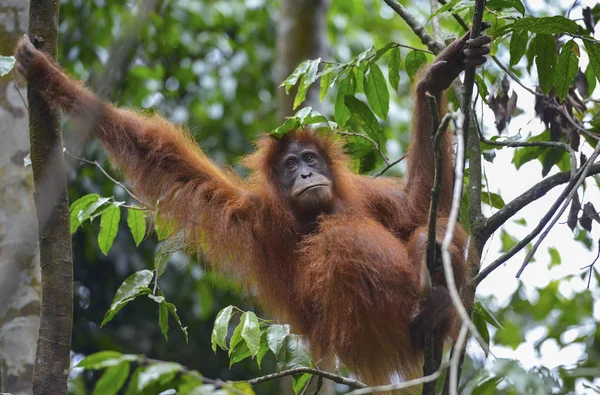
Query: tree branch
x=472 y=139
x=401 y=386
x=532 y=194
x=317 y=372
x=580 y=180
x=517 y=204
x=426 y=38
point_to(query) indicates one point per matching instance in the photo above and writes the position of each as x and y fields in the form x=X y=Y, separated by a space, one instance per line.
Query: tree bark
x=19 y=270
x=301 y=35
x=52 y=208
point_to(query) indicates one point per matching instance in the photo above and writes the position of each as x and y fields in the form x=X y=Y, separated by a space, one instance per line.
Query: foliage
x=208 y=64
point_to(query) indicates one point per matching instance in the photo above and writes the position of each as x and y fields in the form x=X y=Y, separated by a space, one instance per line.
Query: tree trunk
x=301 y=35
x=19 y=269
x=52 y=208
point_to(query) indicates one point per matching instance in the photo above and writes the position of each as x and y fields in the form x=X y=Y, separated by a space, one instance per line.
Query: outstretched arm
x=162 y=162
x=435 y=80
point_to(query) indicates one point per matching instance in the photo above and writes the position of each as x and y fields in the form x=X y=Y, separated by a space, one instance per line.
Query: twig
x=580 y=180
x=532 y=194
x=328 y=375
x=19 y=89
x=435 y=21
x=591 y=266
x=447 y=242
x=426 y=38
x=549 y=144
x=370 y=140
x=95 y=163
x=508 y=211
x=392 y=164
x=401 y=386
x=456 y=358
x=319 y=385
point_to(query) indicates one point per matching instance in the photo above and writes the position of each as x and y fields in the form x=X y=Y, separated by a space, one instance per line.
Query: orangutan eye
x=291 y=164
x=310 y=159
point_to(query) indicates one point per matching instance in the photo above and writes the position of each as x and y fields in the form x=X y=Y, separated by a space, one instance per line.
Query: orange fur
x=352 y=285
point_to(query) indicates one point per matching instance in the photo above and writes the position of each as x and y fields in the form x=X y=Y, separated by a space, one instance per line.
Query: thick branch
x=426 y=38
x=472 y=139
x=531 y=195
x=580 y=180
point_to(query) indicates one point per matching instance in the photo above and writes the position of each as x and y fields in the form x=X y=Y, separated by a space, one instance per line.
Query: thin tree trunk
x=301 y=35
x=19 y=269
x=52 y=207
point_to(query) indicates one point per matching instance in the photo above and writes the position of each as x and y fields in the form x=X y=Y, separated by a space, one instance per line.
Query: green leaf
x=134 y=286
x=238 y=353
x=166 y=250
x=164 y=309
x=414 y=62
x=296 y=355
x=363 y=116
x=510 y=335
x=109 y=226
x=566 y=68
x=220 y=329
x=502 y=4
x=276 y=335
x=264 y=348
x=518 y=46
x=163 y=319
x=394 y=68
x=482 y=87
x=91 y=209
x=250 y=331
x=112 y=380
x=346 y=87
x=293 y=78
x=545 y=60
x=7 y=63
x=548 y=25
x=481 y=325
x=137 y=224
x=593 y=51
x=105 y=359
x=307 y=79
x=236 y=339
x=381 y=51
x=487 y=315
x=445 y=8
x=164 y=227
x=492 y=199
x=507 y=240
x=290 y=124
x=590 y=76
x=154 y=373
x=554 y=257
x=326 y=79
x=377 y=92
x=299 y=381
x=78 y=207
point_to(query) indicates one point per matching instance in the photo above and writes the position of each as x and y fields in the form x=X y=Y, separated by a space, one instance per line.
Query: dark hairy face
x=305 y=177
